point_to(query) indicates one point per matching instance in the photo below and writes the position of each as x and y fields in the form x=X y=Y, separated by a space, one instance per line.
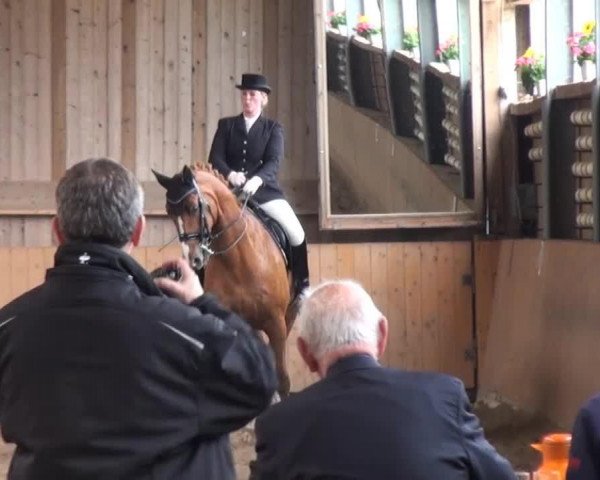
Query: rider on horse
x=247 y=150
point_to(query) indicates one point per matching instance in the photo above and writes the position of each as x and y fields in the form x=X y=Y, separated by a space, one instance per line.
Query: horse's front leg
x=277 y=334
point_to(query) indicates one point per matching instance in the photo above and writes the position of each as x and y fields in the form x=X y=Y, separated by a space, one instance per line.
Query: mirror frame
x=329 y=221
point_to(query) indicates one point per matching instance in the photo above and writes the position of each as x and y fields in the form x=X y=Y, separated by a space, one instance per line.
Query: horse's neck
x=229 y=220
x=229 y=209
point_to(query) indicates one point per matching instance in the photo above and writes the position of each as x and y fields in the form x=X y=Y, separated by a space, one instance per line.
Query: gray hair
x=338 y=313
x=98 y=200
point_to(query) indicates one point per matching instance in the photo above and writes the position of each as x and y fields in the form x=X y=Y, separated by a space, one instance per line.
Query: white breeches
x=280 y=211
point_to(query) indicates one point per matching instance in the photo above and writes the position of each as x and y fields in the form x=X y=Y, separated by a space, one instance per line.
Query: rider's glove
x=253 y=185
x=236 y=179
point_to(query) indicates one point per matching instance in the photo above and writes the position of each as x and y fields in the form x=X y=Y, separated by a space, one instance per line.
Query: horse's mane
x=208 y=168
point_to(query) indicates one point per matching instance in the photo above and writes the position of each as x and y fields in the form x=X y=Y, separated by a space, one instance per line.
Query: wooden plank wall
x=420 y=287
x=544 y=329
x=486 y=255
x=144 y=82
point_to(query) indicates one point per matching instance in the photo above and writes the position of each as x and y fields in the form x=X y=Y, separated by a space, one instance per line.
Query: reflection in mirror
x=398 y=137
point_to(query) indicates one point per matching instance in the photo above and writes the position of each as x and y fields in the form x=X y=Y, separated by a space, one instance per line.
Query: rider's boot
x=300 y=268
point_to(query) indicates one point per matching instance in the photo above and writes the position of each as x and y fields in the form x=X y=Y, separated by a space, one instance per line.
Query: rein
x=214 y=237
x=205 y=237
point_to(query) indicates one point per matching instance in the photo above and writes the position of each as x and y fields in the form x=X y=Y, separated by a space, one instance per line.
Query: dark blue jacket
x=366 y=422
x=584 y=461
x=102 y=377
x=258 y=152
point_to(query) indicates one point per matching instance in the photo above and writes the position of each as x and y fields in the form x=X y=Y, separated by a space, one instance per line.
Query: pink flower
x=572 y=42
x=589 y=48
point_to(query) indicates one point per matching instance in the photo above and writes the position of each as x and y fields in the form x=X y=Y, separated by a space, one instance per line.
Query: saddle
x=274 y=229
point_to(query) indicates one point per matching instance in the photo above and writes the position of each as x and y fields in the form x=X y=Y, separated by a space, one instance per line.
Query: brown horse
x=243 y=266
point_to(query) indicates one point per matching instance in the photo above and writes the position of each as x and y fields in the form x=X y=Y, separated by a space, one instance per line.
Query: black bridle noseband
x=204 y=235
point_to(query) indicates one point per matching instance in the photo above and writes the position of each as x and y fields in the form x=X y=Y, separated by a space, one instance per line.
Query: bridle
x=204 y=235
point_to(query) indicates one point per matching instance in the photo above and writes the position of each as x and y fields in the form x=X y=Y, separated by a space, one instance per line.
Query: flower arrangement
x=532 y=69
x=448 y=50
x=364 y=28
x=336 y=19
x=583 y=44
x=410 y=39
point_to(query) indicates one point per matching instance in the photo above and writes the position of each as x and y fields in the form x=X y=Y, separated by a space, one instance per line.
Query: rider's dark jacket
x=103 y=377
x=257 y=152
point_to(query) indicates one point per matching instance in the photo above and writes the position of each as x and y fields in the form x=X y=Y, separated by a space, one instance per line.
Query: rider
x=248 y=149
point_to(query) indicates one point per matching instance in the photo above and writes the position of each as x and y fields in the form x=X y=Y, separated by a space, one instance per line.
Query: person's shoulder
x=174 y=307
x=291 y=407
x=169 y=311
x=592 y=405
x=25 y=301
x=232 y=118
x=225 y=121
x=429 y=381
x=272 y=123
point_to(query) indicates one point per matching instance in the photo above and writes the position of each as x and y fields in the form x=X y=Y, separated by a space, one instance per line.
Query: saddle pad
x=274 y=230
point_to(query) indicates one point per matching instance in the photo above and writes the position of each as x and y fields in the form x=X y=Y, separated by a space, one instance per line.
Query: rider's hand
x=236 y=179
x=253 y=185
x=187 y=289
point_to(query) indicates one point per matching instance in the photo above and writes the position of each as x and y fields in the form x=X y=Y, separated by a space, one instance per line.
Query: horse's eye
x=192 y=209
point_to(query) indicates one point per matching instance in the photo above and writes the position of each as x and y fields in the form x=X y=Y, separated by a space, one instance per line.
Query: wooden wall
x=422 y=288
x=144 y=82
x=542 y=340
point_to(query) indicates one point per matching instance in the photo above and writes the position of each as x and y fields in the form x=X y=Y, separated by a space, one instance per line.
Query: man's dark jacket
x=103 y=377
x=366 y=422
x=257 y=152
x=584 y=459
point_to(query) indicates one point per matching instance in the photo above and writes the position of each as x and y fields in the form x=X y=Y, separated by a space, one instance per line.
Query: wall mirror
x=398 y=96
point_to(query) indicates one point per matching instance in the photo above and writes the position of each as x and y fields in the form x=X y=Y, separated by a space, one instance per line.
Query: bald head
x=340 y=315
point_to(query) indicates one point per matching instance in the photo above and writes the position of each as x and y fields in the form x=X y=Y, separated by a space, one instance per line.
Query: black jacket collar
x=352 y=362
x=78 y=255
x=240 y=124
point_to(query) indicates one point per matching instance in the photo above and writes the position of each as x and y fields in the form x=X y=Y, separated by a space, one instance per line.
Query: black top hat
x=254 y=81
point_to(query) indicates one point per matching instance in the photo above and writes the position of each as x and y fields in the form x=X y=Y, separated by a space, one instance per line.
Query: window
x=410 y=27
x=537 y=26
x=446 y=12
x=583 y=12
x=370 y=9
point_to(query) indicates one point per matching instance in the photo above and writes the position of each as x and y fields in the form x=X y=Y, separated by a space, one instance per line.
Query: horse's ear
x=187 y=175
x=162 y=179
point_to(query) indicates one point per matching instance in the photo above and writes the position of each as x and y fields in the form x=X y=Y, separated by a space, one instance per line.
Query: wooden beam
x=128 y=97
x=494 y=113
x=403 y=220
x=58 y=82
x=34 y=198
x=321 y=112
x=199 y=67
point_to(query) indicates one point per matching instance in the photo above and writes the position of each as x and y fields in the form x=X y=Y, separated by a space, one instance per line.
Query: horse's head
x=190 y=210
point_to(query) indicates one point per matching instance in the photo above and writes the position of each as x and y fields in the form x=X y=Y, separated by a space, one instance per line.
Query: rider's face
x=252 y=102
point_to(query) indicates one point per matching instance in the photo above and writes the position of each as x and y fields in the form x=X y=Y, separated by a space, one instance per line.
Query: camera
x=171 y=272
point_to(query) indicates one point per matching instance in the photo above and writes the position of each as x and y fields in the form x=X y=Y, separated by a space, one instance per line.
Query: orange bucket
x=555 y=455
